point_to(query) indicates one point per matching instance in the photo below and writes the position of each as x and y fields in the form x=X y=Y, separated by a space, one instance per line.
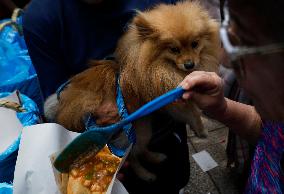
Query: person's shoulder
x=42 y=16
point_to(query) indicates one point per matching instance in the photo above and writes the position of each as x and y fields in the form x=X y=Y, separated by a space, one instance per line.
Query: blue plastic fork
x=97 y=139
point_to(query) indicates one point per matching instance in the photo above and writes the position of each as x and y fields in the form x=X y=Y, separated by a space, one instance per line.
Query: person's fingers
x=200 y=99
x=190 y=79
x=205 y=83
x=200 y=80
x=186 y=95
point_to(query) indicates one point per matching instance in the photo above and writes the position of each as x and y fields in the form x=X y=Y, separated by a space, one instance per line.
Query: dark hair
x=269 y=12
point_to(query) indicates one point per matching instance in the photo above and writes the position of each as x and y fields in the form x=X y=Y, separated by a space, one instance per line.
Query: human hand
x=206 y=90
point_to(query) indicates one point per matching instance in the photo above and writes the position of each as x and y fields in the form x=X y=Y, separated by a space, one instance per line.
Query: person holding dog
x=252 y=36
x=62 y=35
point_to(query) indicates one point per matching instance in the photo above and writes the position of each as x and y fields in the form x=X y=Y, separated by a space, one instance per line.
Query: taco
x=93 y=176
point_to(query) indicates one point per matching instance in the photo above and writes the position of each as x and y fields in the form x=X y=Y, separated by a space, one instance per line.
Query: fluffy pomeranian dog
x=161 y=47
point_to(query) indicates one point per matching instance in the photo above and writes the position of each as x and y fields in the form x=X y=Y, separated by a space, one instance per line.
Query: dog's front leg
x=140 y=150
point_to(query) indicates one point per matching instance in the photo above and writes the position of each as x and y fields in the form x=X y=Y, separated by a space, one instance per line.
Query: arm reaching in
x=206 y=90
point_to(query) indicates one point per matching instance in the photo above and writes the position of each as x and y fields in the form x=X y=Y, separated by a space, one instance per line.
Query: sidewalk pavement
x=219 y=180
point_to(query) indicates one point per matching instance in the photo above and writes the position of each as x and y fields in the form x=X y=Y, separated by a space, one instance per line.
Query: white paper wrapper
x=34 y=171
x=116 y=187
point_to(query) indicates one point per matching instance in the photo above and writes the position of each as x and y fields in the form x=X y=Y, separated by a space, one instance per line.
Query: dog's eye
x=175 y=50
x=194 y=44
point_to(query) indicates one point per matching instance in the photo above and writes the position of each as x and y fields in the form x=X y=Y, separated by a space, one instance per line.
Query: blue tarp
x=17 y=73
x=6 y=188
x=16 y=68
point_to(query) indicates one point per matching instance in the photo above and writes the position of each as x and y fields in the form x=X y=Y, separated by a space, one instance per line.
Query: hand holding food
x=206 y=90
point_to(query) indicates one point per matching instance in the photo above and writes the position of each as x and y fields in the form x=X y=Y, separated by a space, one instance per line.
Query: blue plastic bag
x=6 y=188
x=9 y=156
x=13 y=68
x=16 y=68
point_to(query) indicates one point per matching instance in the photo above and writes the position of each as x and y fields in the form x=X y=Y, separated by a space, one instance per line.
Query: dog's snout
x=189 y=65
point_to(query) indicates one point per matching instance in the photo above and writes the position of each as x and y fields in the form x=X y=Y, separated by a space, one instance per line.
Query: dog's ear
x=142 y=25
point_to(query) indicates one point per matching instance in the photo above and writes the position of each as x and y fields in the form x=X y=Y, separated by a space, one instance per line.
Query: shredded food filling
x=97 y=172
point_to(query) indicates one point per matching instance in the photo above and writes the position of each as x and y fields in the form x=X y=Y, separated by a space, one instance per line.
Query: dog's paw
x=155 y=157
x=159 y=157
x=147 y=176
x=143 y=173
x=202 y=133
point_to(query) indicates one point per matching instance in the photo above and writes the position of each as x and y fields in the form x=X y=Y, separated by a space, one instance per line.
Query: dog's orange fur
x=149 y=66
x=92 y=91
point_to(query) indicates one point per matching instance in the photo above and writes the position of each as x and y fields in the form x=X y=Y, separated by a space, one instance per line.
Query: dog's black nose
x=188 y=65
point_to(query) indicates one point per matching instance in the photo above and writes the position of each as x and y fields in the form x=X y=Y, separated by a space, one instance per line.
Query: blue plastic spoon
x=99 y=138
